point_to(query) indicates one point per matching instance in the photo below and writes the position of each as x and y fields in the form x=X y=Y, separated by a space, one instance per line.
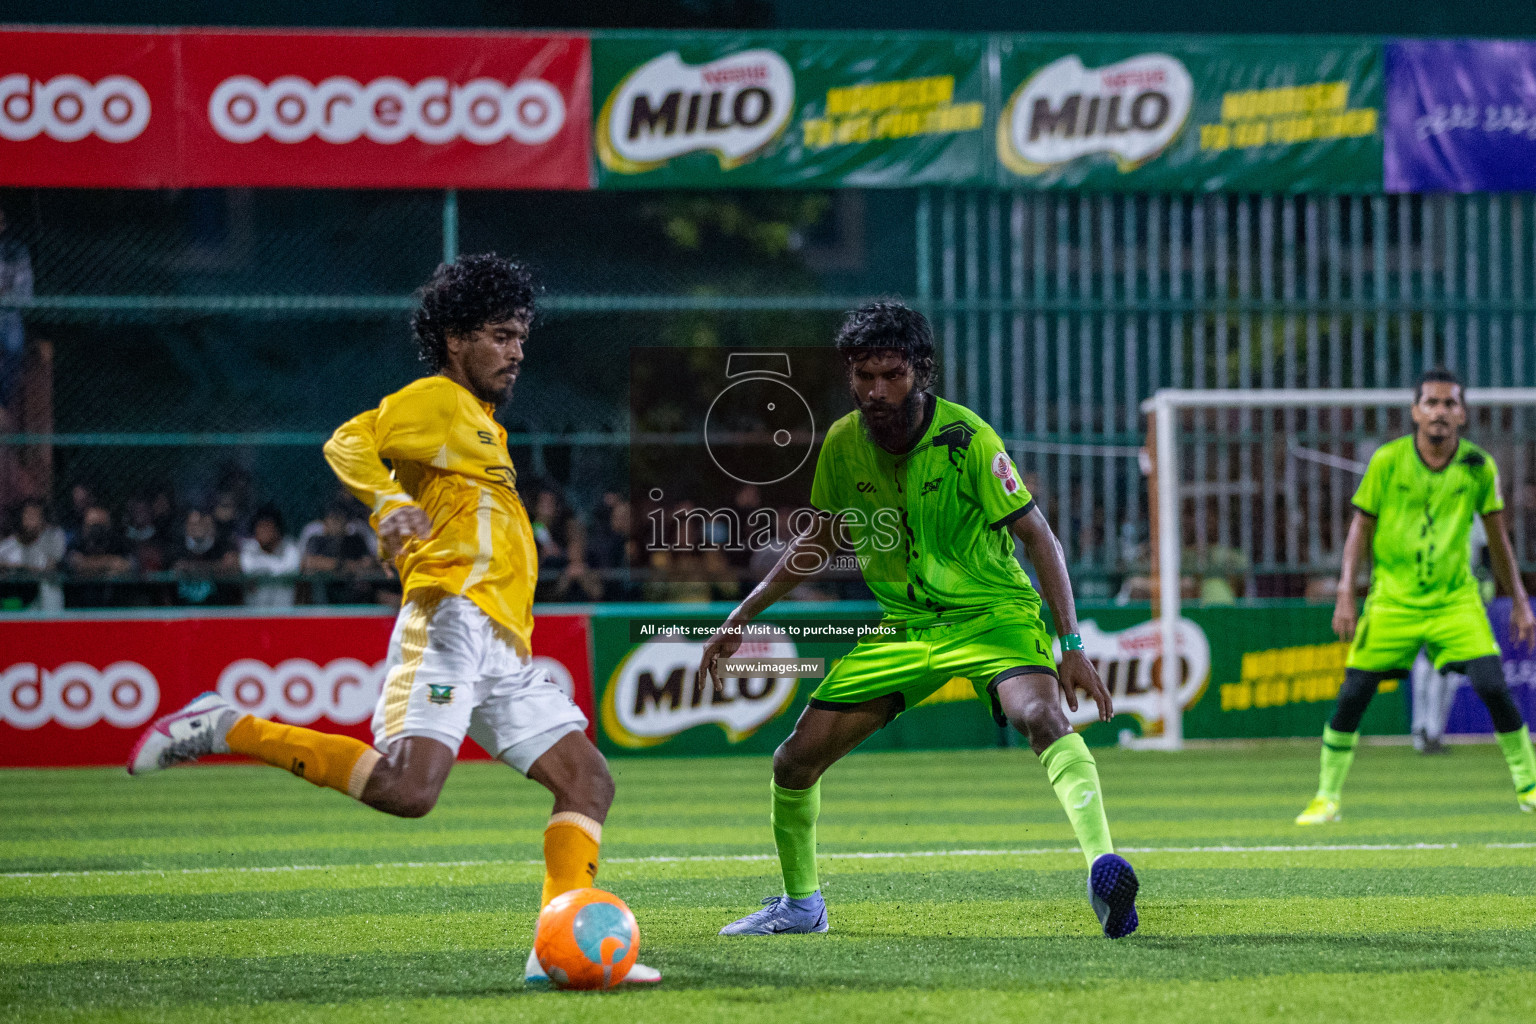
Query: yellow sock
x=340 y=762
x=570 y=854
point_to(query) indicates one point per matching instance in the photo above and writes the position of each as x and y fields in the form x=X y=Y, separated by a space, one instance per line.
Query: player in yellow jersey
x=459 y=660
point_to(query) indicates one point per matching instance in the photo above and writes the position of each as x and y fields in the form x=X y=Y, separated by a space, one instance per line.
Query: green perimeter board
x=754 y=110
x=1189 y=114
x=1289 y=684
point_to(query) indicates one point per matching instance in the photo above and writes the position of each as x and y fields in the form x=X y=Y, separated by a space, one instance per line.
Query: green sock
x=1075 y=777
x=1338 y=755
x=794 y=833
x=1520 y=757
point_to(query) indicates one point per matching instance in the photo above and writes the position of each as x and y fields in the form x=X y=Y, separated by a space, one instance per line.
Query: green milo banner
x=774 y=110
x=1190 y=114
x=1243 y=672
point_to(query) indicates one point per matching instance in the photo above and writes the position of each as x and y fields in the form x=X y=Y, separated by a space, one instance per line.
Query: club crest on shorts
x=1002 y=468
x=440 y=693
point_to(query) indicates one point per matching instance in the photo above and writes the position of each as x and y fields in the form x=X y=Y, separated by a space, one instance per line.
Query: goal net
x=1250 y=497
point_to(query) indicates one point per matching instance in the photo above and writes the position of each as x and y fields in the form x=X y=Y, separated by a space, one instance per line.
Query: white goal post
x=1265 y=476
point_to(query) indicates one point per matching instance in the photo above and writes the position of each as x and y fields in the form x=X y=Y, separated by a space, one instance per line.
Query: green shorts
x=984 y=650
x=1389 y=636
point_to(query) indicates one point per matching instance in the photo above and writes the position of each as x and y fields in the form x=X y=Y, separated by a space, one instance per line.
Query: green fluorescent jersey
x=1423 y=520
x=929 y=526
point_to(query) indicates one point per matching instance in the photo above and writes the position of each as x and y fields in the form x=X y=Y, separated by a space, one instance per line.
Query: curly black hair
x=463 y=296
x=889 y=326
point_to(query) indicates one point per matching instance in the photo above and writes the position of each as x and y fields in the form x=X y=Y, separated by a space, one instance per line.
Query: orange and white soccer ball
x=587 y=939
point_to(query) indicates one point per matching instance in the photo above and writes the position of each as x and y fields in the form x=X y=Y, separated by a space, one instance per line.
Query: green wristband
x=1071 y=642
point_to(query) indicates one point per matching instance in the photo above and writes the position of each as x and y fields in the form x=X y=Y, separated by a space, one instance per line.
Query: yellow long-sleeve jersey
x=449 y=457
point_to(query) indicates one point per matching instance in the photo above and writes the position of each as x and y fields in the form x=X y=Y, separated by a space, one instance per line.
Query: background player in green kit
x=1414 y=510
x=928 y=499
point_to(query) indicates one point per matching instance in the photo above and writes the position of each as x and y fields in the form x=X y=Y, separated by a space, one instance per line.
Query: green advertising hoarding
x=777 y=110
x=1247 y=672
x=1189 y=114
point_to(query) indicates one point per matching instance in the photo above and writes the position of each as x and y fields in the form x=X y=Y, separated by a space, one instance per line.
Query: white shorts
x=453 y=672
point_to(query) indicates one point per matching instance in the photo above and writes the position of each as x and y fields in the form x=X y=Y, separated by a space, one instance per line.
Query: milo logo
x=654 y=693
x=1131 y=662
x=732 y=107
x=1131 y=110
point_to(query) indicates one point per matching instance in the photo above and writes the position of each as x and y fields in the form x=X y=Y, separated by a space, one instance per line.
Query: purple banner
x=1461 y=116
x=1467 y=712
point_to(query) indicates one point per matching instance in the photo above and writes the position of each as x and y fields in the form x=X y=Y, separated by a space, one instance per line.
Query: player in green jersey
x=927 y=497
x=1414 y=510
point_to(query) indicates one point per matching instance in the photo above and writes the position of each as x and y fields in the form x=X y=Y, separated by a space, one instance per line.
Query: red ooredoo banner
x=79 y=691
x=189 y=108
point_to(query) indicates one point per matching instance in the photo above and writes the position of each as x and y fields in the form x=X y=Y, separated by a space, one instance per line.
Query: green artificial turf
x=239 y=893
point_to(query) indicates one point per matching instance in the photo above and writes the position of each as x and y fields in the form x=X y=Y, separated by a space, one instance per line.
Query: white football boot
x=639 y=974
x=184 y=736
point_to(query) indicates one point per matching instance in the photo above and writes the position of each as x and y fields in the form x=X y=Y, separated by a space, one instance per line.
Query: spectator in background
x=162 y=511
x=267 y=552
x=97 y=552
x=202 y=557
x=563 y=571
x=234 y=502
x=549 y=520
x=81 y=498
x=148 y=545
x=355 y=514
x=339 y=551
x=15 y=290
x=150 y=550
x=226 y=518
x=611 y=550
x=36 y=546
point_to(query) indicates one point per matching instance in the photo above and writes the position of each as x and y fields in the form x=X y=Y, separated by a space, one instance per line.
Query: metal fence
x=193 y=331
x=1059 y=313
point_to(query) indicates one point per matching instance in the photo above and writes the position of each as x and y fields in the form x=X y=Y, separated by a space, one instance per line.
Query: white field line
x=755 y=857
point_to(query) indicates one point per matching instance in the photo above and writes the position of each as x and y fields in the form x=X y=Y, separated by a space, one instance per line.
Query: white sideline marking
x=754 y=857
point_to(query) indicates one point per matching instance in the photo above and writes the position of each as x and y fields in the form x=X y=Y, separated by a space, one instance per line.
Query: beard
x=491 y=392
x=890 y=426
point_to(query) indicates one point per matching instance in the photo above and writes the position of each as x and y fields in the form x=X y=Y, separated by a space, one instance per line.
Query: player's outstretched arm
x=1522 y=623
x=353 y=455
x=806 y=556
x=1362 y=530
x=1044 y=552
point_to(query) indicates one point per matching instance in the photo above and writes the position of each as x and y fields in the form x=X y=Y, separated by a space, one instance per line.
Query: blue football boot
x=1112 y=889
x=782 y=915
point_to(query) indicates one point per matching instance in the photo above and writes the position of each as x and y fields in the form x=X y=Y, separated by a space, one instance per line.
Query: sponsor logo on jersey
x=932 y=485
x=733 y=107
x=956 y=437
x=654 y=693
x=67 y=108
x=1131 y=110
x=1130 y=663
x=864 y=487
x=386 y=110
x=1002 y=468
x=125 y=694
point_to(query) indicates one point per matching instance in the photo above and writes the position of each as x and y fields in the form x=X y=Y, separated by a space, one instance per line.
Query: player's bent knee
x=792 y=772
x=405 y=802
x=600 y=786
x=1035 y=711
x=1041 y=723
x=577 y=775
x=415 y=806
x=1487 y=678
x=1354 y=697
x=401 y=793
